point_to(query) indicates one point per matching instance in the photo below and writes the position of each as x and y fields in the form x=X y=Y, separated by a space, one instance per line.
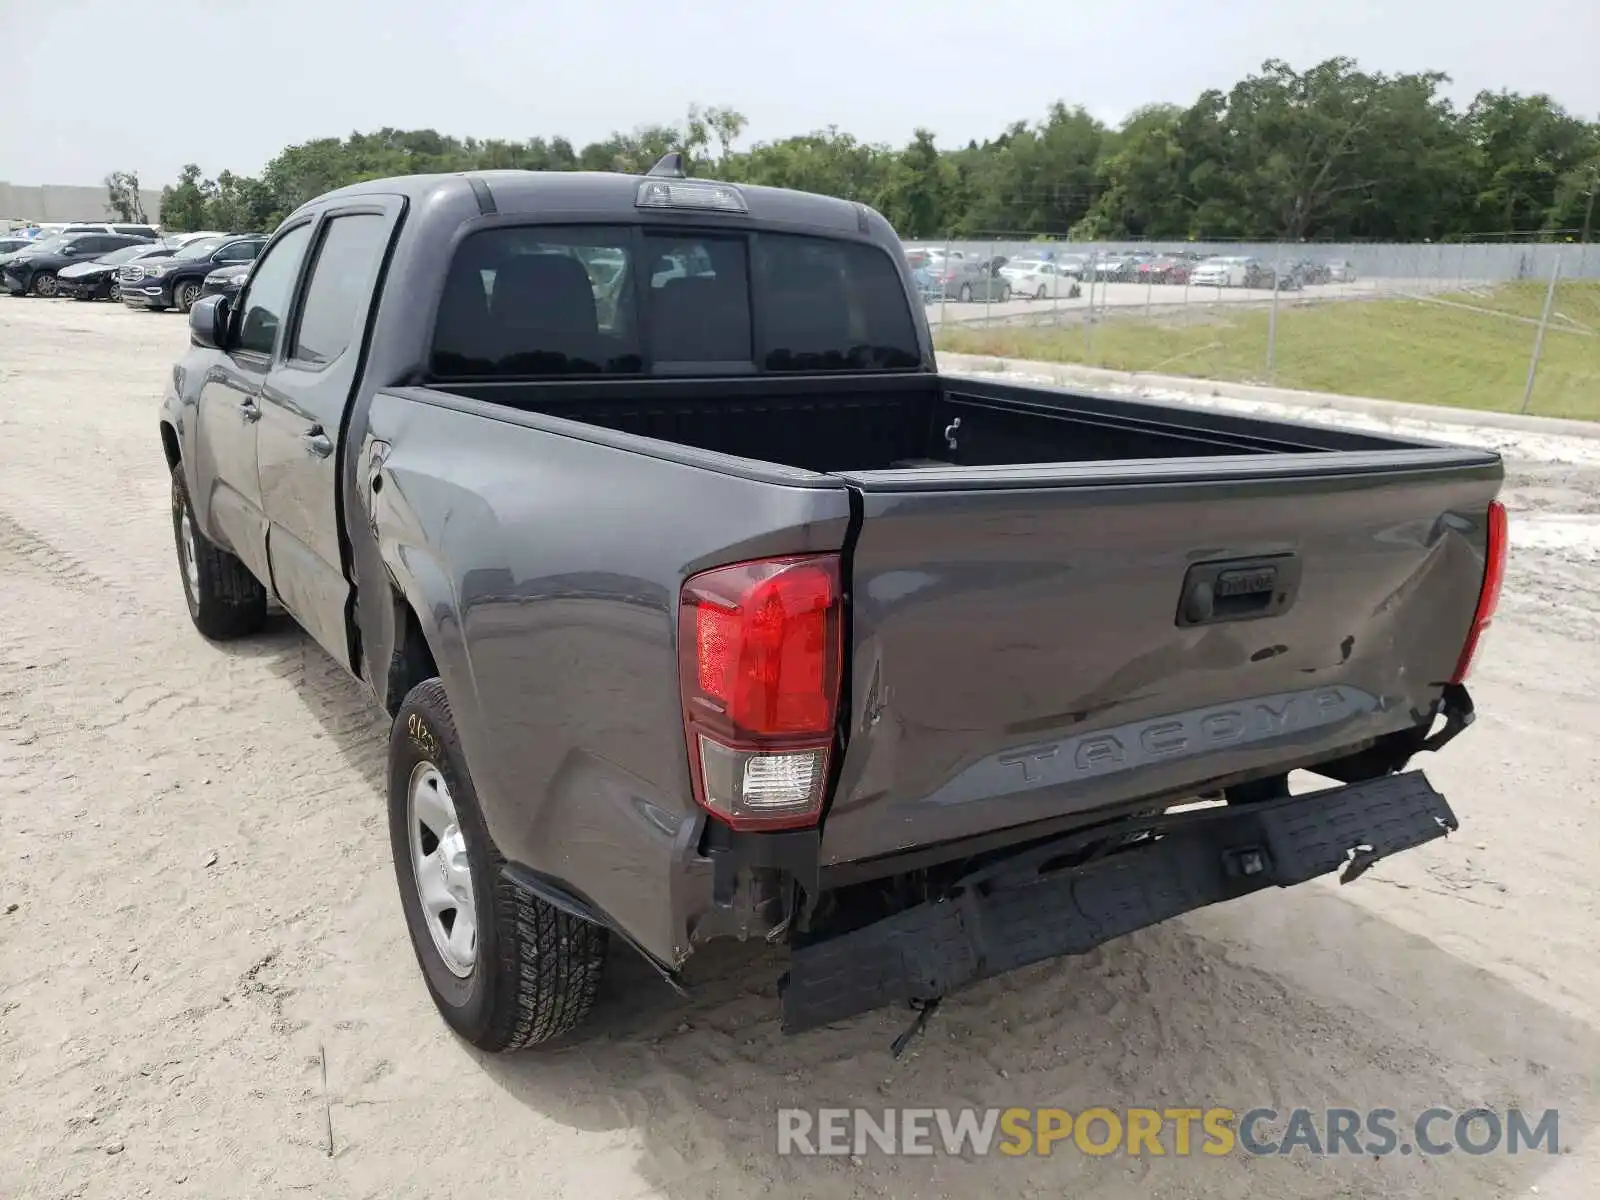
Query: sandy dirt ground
x=203 y=966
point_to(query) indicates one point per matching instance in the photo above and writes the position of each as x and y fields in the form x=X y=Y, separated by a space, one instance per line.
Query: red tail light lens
x=1494 y=575
x=759 y=652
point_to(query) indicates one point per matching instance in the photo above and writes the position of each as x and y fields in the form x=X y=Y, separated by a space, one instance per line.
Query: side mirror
x=208 y=322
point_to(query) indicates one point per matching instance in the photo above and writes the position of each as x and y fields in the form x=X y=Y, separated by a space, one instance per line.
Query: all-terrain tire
x=536 y=971
x=225 y=600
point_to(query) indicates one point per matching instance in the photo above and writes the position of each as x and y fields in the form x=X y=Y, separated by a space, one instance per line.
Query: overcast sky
x=88 y=87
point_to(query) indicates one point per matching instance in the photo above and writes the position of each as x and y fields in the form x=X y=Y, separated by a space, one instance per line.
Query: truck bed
x=1087 y=601
x=911 y=422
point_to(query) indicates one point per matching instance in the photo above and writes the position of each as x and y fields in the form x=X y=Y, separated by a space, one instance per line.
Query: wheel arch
x=412 y=660
x=170 y=446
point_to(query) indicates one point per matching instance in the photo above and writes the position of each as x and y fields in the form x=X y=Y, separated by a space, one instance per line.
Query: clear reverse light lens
x=753 y=787
x=780 y=780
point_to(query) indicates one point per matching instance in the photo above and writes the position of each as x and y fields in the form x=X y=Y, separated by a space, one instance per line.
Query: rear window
x=552 y=301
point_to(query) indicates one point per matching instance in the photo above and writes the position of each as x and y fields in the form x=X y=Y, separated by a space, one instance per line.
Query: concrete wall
x=52 y=202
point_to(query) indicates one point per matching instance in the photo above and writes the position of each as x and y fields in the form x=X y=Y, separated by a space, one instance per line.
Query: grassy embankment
x=1449 y=351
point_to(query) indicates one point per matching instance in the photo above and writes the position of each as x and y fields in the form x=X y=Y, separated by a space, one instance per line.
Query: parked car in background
x=97 y=279
x=179 y=240
x=1118 y=266
x=1289 y=279
x=1221 y=271
x=1164 y=268
x=33 y=271
x=10 y=245
x=1070 y=264
x=177 y=281
x=1257 y=274
x=32 y=245
x=226 y=281
x=1309 y=270
x=136 y=229
x=968 y=279
x=929 y=256
x=1035 y=279
x=1340 y=271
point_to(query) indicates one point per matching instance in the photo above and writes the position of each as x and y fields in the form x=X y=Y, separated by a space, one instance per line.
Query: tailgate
x=1033 y=642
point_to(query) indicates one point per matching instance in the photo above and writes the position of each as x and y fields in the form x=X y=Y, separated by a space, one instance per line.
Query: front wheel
x=505 y=968
x=965 y=294
x=115 y=294
x=45 y=285
x=1005 y=294
x=185 y=294
x=225 y=600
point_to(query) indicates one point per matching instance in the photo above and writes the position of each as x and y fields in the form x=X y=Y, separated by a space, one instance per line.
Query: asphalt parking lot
x=204 y=973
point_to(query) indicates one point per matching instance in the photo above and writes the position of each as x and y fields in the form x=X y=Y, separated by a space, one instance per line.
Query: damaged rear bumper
x=1019 y=910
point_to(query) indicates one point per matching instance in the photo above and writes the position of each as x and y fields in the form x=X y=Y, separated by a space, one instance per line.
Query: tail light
x=1494 y=574
x=759 y=652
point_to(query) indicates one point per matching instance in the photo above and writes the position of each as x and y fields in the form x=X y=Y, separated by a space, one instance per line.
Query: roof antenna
x=669 y=165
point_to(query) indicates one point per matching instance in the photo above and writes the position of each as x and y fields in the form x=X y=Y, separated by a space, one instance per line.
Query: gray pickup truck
x=704 y=606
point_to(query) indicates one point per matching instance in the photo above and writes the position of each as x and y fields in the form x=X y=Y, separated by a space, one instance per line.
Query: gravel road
x=204 y=972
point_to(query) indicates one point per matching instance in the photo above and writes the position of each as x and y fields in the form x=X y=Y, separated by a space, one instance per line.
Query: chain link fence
x=1511 y=326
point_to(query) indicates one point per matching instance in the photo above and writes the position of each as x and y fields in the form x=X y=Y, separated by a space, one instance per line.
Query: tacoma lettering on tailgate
x=1144 y=743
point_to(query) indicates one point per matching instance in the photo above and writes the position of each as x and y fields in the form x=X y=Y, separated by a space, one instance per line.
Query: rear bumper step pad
x=1018 y=911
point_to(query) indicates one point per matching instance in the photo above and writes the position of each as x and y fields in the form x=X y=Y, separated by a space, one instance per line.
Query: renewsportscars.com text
x=1160 y=1132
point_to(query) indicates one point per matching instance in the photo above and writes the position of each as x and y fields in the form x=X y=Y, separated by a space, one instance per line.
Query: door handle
x=249 y=409
x=1241 y=590
x=317 y=442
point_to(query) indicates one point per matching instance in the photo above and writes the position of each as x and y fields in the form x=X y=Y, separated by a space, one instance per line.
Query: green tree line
x=1329 y=153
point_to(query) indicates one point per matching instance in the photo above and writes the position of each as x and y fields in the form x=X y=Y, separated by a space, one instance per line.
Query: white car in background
x=177 y=241
x=1224 y=271
x=1037 y=279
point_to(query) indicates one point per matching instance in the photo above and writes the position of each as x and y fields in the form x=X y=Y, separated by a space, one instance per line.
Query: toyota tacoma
x=705 y=607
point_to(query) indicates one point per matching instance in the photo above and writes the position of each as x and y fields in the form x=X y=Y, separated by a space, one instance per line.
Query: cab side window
x=341 y=279
x=266 y=298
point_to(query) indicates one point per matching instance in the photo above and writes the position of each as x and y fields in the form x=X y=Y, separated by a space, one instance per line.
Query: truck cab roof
x=609 y=196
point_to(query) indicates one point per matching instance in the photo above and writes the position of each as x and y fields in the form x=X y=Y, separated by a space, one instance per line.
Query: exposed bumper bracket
x=1020 y=911
x=1456 y=706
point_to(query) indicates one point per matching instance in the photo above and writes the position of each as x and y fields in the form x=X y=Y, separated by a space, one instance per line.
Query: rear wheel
x=45 y=284
x=965 y=294
x=225 y=600
x=504 y=968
